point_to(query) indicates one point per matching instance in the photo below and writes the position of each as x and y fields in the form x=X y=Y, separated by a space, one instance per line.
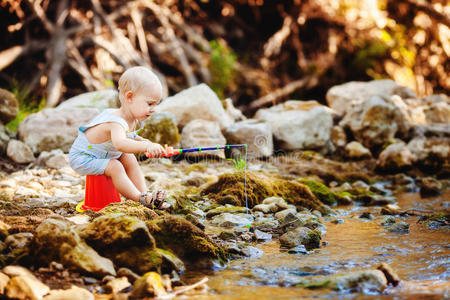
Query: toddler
x=106 y=145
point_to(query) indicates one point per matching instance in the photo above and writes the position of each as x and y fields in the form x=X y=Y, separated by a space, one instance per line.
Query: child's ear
x=129 y=96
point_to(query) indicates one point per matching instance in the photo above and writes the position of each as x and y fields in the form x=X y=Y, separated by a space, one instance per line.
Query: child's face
x=143 y=102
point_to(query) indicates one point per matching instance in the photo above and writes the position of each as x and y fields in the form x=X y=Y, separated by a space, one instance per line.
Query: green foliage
x=221 y=66
x=26 y=105
x=238 y=163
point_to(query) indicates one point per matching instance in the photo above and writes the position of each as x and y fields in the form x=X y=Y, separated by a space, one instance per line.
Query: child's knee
x=114 y=166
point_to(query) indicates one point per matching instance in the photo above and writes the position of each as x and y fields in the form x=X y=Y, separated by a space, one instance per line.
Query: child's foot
x=154 y=200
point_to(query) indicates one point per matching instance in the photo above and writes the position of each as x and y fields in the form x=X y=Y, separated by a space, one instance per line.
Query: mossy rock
x=321 y=191
x=260 y=187
x=161 y=128
x=184 y=239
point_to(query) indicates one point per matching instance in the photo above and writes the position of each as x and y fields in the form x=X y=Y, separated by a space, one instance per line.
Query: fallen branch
x=308 y=82
x=183 y=289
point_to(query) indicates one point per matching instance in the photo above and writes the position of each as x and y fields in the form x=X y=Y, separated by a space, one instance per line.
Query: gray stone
x=19 y=152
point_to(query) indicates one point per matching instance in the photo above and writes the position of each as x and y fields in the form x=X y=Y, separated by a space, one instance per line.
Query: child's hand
x=169 y=150
x=154 y=150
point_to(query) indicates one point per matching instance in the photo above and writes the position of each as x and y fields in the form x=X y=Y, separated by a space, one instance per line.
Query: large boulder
x=256 y=134
x=202 y=133
x=375 y=121
x=56 y=240
x=197 y=102
x=99 y=99
x=299 y=124
x=342 y=97
x=125 y=240
x=9 y=106
x=54 y=128
x=161 y=128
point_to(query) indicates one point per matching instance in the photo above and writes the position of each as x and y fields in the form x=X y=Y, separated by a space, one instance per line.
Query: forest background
x=256 y=52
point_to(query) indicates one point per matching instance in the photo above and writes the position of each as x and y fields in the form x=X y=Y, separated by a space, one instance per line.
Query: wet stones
x=301 y=236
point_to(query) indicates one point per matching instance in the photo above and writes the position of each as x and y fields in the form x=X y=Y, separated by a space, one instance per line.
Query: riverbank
x=378 y=223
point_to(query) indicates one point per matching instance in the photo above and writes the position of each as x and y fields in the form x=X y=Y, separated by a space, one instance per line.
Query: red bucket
x=100 y=192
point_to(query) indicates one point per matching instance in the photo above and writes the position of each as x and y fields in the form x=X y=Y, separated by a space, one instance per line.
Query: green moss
x=138 y=259
x=321 y=191
x=162 y=131
x=438 y=217
x=197 y=167
x=184 y=239
x=260 y=187
x=222 y=67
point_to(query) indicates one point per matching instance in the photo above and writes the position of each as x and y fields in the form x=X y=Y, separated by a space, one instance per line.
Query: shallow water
x=421 y=258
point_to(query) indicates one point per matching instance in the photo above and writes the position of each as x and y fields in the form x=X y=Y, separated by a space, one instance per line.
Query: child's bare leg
x=133 y=171
x=121 y=181
x=135 y=174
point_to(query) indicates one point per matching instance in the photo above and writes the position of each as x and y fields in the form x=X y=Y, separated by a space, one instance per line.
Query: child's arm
x=123 y=144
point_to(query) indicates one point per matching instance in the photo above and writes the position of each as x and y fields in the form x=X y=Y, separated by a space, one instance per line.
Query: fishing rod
x=200 y=149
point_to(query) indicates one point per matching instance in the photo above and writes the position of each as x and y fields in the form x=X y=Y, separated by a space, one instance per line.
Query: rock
x=202 y=132
x=388 y=220
x=3 y=282
x=341 y=97
x=125 y=240
x=185 y=240
x=149 y=285
x=55 y=240
x=231 y=220
x=283 y=214
x=366 y=215
x=4 y=139
x=74 y=293
x=430 y=187
x=116 y=230
x=390 y=275
x=19 y=240
x=53 y=128
x=431 y=153
x=234 y=113
x=262 y=236
x=9 y=106
x=172 y=262
x=4 y=230
x=366 y=282
x=298 y=249
x=357 y=151
x=375 y=122
x=23 y=284
x=256 y=134
x=197 y=102
x=125 y=272
x=438 y=112
x=101 y=100
x=299 y=124
x=399 y=227
x=396 y=157
x=301 y=236
x=161 y=128
x=19 y=152
x=116 y=285
x=338 y=136
x=55 y=159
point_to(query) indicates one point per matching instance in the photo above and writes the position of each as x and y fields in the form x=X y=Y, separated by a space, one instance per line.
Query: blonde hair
x=133 y=79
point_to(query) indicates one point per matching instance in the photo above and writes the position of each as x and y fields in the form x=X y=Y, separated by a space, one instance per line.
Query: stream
x=421 y=258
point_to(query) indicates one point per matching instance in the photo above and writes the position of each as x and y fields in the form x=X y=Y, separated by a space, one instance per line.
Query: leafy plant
x=238 y=163
x=26 y=106
x=222 y=68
